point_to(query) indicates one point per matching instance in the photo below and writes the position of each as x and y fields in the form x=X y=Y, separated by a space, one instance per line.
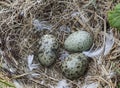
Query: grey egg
x=74 y=66
x=78 y=41
x=48 y=42
x=47 y=58
x=48 y=49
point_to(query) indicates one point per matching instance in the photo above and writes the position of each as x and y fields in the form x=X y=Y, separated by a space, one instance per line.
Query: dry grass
x=19 y=38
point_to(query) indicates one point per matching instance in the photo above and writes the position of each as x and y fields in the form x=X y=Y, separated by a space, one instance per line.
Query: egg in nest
x=74 y=66
x=78 y=41
x=48 y=48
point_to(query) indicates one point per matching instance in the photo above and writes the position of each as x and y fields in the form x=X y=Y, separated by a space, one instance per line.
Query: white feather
x=17 y=84
x=105 y=48
x=95 y=53
x=63 y=55
x=39 y=1
x=30 y=61
x=92 y=85
x=81 y=15
x=111 y=75
x=65 y=28
x=32 y=66
x=74 y=14
x=62 y=84
x=41 y=25
x=109 y=43
x=37 y=25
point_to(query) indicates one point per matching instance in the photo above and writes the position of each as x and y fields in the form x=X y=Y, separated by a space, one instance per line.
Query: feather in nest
x=105 y=48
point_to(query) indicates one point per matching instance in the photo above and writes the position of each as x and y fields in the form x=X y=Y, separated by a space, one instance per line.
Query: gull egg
x=48 y=49
x=78 y=41
x=74 y=66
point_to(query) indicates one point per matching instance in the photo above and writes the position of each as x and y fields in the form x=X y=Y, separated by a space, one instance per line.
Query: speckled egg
x=74 y=66
x=47 y=58
x=78 y=41
x=48 y=42
x=48 y=49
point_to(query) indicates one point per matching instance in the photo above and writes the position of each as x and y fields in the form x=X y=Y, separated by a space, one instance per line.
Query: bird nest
x=24 y=22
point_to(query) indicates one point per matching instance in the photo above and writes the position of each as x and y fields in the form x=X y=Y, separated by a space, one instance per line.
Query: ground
x=24 y=22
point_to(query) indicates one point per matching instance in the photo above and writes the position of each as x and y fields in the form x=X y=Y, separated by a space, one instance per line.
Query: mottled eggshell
x=48 y=42
x=74 y=66
x=48 y=48
x=78 y=41
x=47 y=58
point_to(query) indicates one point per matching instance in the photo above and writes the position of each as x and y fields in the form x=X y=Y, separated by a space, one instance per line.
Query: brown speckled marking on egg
x=74 y=66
